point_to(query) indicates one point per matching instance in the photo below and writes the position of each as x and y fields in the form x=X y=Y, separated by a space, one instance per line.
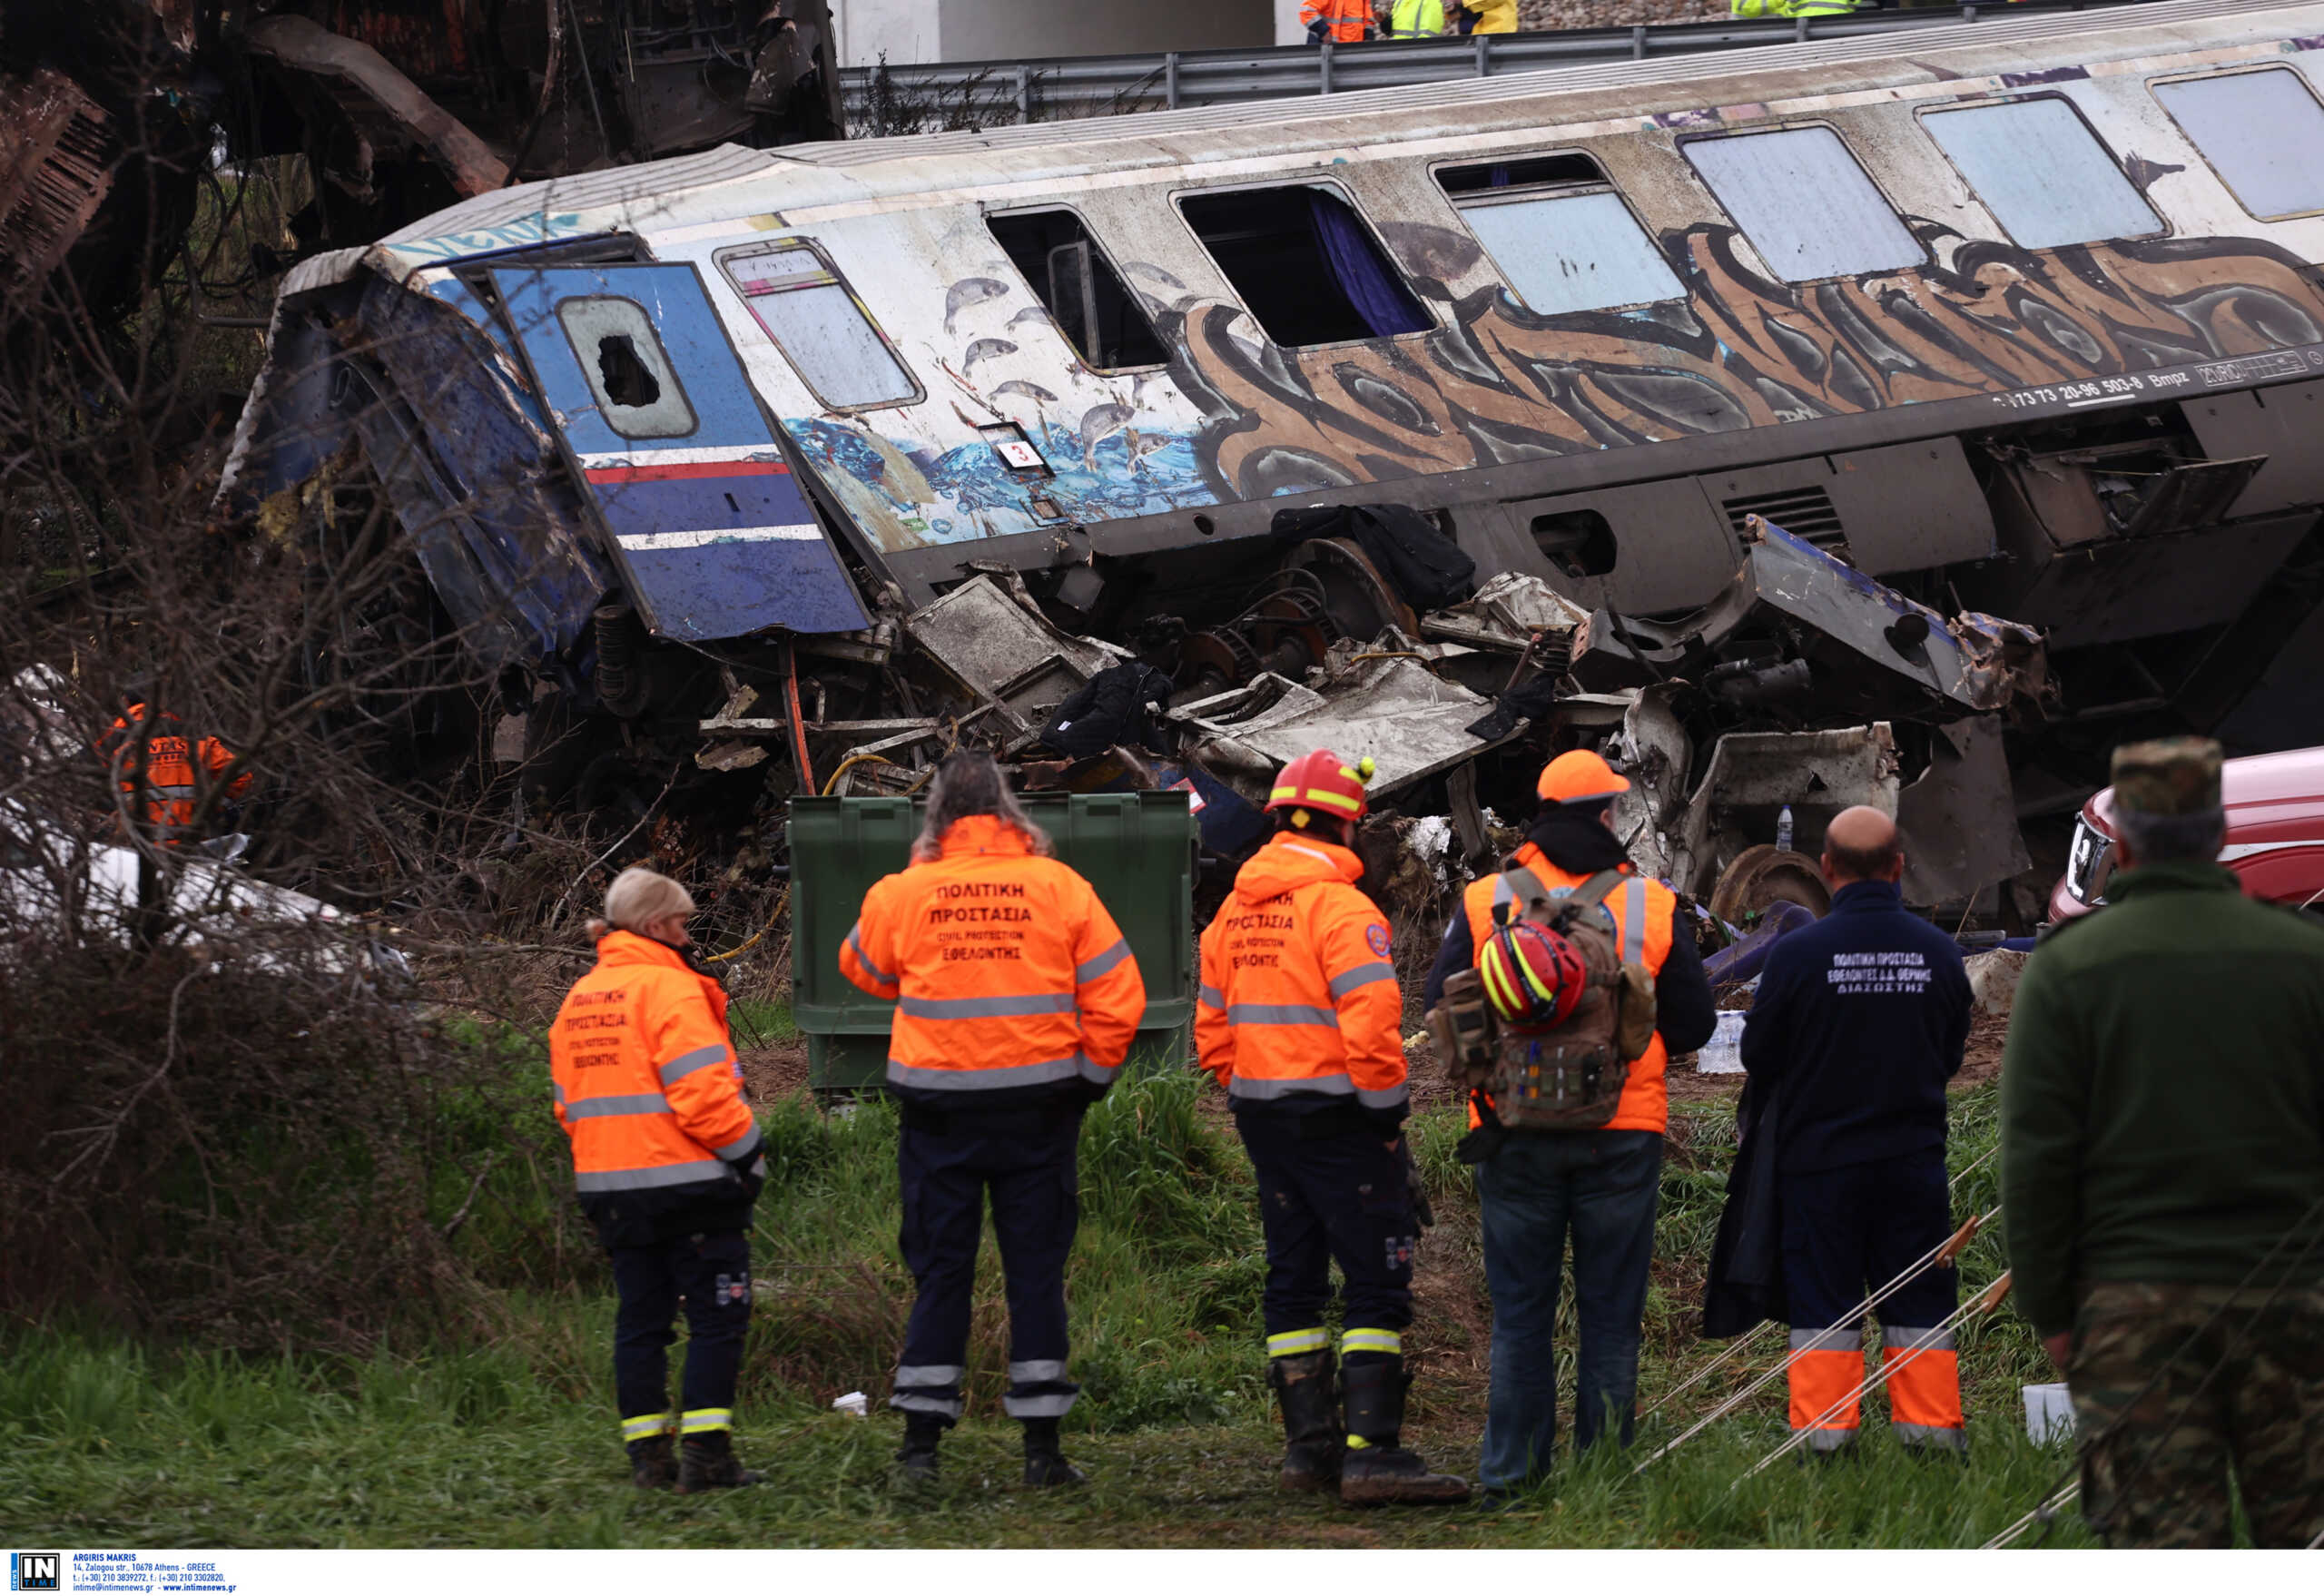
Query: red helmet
x=1531 y=974
x=1321 y=782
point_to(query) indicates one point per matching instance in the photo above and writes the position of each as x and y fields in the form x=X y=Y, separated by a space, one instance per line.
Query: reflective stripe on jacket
x=1416 y=19
x=1647 y=937
x=1299 y=996
x=1343 y=22
x=1006 y=970
x=173 y=770
x=644 y=1077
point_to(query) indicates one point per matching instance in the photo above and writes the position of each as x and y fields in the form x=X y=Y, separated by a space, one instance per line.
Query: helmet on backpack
x=1531 y=974
x=1321 y=782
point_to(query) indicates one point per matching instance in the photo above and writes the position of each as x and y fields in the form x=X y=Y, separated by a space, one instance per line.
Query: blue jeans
x=1599 y=1184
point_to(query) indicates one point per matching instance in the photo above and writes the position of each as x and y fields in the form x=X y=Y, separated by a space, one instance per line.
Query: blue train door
x=713 y=534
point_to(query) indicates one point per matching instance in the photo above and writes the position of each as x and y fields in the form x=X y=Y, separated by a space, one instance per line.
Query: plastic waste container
x=1137 y=849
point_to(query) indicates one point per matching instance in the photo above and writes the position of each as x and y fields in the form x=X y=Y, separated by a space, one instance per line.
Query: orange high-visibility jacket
x=1345 y=22
x=1299 y=995
x=645 y=1080
x=168 y=789
x=1639 y=902
x=1008 y=973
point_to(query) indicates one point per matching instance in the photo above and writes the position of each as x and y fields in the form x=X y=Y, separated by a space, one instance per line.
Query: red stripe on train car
x=690 y=469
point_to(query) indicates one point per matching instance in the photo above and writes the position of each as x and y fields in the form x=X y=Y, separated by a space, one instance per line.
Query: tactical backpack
x=1569 y=1076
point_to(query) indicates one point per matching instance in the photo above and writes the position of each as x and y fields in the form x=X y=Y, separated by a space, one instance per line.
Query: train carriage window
x=1079 y=288
x=1804 y=202
x=1560 y=236
x=1307 y=267
x=625 y=367
x=2260 y=130
x=815 y=321
x=2042 y=172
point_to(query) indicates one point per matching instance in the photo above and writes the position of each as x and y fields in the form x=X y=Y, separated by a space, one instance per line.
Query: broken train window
x=1804 y=202
x=2260 y=131
x=801 y=304
x=628 y=372
x=2042 y=172
x=1079 y=288
x=1560 y=236
x=1304 y=264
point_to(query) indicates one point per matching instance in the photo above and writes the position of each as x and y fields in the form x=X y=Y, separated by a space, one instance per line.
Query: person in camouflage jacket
x=2162 y=1147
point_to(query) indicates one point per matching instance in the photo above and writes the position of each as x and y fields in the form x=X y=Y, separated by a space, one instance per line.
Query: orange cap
x=1577 y=776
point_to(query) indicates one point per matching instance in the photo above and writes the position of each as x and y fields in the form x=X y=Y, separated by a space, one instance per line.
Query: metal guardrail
x=955 y=94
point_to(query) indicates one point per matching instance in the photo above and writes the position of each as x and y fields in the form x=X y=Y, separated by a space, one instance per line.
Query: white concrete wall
x=1287 y=30
x=1010 y=30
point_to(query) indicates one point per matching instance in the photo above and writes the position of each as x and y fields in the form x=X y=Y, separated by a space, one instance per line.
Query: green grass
x=512 y=1443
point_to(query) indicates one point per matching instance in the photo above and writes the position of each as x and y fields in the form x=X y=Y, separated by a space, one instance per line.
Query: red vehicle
x=2275 y=835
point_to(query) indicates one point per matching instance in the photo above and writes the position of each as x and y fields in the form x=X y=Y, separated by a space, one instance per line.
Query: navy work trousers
x=1849 y=1230
x=710 y=1272
x=1339 y=1197
x=1599 y=1187
x=1024 y=1159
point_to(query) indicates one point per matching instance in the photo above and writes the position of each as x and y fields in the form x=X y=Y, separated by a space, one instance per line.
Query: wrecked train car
x=2023 y=323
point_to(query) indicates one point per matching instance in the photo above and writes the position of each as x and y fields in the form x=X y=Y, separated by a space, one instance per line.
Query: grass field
x=511 y=1444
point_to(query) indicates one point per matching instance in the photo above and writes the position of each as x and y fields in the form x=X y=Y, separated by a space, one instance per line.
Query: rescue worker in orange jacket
x=1017 y=1000
x=1301 y=1020
x=1343 y=22
x=162 y=774
x=1534 y=1186
x=667 y=1160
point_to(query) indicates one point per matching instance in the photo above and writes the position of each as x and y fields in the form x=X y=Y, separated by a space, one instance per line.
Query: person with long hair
x=1017 y=1000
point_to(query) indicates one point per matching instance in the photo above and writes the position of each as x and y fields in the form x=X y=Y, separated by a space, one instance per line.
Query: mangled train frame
x=1949 y=405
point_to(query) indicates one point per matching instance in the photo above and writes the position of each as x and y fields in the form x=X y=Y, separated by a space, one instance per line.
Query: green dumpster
x=1137 y=849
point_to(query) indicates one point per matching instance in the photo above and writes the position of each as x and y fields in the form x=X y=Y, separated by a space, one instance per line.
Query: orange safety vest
x=1345 y=22
x=1299 y=991
x=1645 y=1103
x=642 y=1076
x=170 y=779
x=1006 y=970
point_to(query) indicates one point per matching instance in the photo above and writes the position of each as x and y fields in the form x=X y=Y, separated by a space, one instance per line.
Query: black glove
x=752 y=1173
x=1481 y=1145
x=1421 y=1207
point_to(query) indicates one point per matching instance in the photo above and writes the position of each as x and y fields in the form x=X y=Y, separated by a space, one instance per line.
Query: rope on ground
x=1985 y=1302
x=2042 y=1515
x=1944 y=1252
x=1744 y=1342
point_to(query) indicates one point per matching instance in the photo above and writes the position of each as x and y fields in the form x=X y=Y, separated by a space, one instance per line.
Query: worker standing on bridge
x=667 y=1160
x=1339 y=22
x=1301 y=1020
x=2162 y=1172
x=1534 y=1186
x=1772 y=10
x=1416 y=19
x=1017 y=1000
x=1859 y=1022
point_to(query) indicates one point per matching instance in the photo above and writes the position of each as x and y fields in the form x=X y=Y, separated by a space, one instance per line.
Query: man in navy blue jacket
x=1859 y=1022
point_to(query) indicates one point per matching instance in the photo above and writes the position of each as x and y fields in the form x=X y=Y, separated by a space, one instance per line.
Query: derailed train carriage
x=1811 y=399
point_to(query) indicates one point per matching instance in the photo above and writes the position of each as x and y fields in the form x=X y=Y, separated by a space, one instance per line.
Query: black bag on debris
x=1110 y=708
x=1426 y=568
x=1530 y=700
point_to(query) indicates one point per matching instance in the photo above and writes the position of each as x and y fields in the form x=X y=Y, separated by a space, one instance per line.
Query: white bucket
x=1723 y=1054
x=2049 y=1414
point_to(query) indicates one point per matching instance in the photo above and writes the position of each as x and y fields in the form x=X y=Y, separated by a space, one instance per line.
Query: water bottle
x=1783 y=830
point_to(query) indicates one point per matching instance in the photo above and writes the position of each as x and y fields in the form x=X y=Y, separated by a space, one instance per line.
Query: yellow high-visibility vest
x=1416 y=19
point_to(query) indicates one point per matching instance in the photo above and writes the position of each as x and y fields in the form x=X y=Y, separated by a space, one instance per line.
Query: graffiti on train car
x=1502 y=383
x=1505 y=384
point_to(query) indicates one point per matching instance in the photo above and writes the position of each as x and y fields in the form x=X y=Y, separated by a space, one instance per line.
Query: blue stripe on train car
x=714 y=538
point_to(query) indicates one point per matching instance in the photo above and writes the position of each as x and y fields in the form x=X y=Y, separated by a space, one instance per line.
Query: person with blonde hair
x=668 y=1161
x=1015 y=1000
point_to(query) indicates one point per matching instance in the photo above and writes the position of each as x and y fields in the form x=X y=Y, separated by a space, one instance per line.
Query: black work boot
x=707 y=1463
x=653 y=1464
x=1044 y=1464
x=916 y=1462
x=1376 y=1468
x=1310 y=1420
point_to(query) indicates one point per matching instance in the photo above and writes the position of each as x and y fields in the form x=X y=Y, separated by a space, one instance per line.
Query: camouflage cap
x=2171 y=775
